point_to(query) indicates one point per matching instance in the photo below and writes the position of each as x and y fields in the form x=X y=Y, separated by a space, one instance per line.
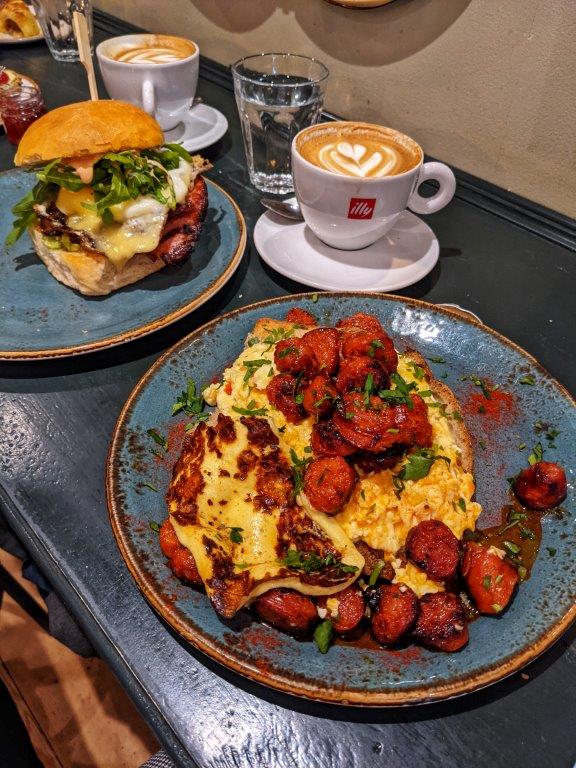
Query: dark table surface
x=510 y=262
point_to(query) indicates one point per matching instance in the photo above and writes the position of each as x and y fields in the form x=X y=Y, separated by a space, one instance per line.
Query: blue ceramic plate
x=545 y=604
x=41 y=318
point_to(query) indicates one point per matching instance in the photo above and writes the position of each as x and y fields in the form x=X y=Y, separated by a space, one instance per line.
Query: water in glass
x=277 y=95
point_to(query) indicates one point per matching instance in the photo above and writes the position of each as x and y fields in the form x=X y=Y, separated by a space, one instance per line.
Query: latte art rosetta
x=360 y=150
x=147 y=55
x=358 y=160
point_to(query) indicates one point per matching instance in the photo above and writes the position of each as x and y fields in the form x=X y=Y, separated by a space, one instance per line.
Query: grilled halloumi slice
x=231 y=503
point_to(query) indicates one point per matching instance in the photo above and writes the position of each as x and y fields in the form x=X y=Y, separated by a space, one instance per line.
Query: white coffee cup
x=348 y=212
x=164 y=89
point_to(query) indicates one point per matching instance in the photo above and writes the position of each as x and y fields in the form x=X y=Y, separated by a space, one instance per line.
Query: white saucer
x=202 y=127
x=402 y=257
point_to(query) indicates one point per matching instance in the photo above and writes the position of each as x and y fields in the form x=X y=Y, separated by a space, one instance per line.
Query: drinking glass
x=55 y=19
x=277 y=95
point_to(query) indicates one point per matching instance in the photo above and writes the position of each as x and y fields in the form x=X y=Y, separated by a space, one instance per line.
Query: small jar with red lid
x=20 y=106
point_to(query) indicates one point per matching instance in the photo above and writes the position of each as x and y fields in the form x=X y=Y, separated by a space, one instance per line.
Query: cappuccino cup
x=353 y=180
x=156 y=72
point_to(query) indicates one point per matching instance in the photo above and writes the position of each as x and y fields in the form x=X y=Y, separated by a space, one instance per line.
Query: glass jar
x=20 y=106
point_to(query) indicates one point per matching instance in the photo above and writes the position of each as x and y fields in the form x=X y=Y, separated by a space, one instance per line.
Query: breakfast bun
x=88 y=128
x=113 y=202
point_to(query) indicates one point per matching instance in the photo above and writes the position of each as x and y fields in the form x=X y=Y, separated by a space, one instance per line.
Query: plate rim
x=272 y=680
x=162 y=321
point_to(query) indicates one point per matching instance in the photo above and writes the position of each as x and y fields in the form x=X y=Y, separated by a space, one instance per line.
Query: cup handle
x=447 y=181
x=149 y=97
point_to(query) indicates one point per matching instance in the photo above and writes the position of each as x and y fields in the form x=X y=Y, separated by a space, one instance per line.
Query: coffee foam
x=359 y=150
x=156 y=49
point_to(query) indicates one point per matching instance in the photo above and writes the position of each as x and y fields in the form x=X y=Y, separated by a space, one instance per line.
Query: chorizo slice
x=490 y=580
x=328 y=483
x=184 y=566
x=295 y=356
x=325 y=343
x=281 y=393
x=378 y=346
x=441 y=623
x=319 y=395
x=168 y=540
x=541 y=486
x=354 y=372
x=344 y=609
x=394 y=609
x=286 y=610
x=300 y=316
x=327 y=441
x=361 y=322
x=432 y=546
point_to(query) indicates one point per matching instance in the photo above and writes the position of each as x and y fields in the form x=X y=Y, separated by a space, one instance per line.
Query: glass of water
x=277 y=95
x=55 y=19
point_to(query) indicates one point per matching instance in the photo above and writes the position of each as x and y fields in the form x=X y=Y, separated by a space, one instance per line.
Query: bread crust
x=88 y=128
x=91 y=273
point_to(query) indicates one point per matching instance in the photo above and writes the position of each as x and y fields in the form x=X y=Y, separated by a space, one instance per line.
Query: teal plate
x=41 y=318
x=541 y=611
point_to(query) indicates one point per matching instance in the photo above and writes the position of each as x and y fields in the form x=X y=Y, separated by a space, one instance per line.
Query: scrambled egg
x=375 y=513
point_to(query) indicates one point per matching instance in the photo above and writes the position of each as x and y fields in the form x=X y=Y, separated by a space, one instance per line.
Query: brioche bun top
x=88 y=128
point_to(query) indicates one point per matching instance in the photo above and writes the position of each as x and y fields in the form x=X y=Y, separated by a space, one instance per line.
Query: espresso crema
x=360 y=150
x=157 y=49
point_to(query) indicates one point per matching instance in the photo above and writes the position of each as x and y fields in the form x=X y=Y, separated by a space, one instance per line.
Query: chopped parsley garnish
x=527 y=379
x=190 y=402
x=515 y=517
x=251 y=409
x=154 y=526
x=521 y=446
x=436 y=359
x=275 y=335
x=510 y=547
x=310 y=562
x=252 y=366
x=323 y=635
x=536 y=455
x=418 y=466
x=462 y=504
x=150 y=486
x=158 y=438
x=368 y=388
x=479 y=383
x=287 y=351
x=551 y=551
x=526 y=533
x=400 y=395
x=314 y=298
x=496 y=607
x=376 y=571
x=236 y=535
x=374 y=345
x=298 y=467
x=482 y=444
x=417 y=370
x=487 y=582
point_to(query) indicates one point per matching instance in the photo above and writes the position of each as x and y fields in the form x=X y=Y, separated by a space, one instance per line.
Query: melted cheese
x=236 y=569
x=137 y=223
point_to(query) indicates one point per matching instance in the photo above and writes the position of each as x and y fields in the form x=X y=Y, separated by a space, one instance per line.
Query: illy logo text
x=361 y=207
